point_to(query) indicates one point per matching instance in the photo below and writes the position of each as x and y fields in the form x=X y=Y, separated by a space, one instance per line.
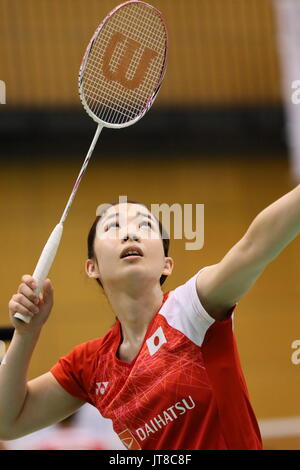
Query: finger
x=28 y=292
x=18 y=308
x=25 y=302
x=27 y=279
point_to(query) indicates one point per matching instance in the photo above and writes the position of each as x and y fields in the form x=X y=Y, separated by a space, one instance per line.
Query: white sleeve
x=184 y=311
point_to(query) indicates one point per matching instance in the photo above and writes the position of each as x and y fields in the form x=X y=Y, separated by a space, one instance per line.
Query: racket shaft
x=44 y=263
x=81 y=173
x=48 y=254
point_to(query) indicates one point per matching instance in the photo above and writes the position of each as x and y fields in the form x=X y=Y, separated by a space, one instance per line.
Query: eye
x=146 y=222
x=115 y=224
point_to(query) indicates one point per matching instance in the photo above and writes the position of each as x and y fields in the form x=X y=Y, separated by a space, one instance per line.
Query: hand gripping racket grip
x=44 y=264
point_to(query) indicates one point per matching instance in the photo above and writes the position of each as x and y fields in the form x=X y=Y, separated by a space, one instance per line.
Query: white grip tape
x=44 y=264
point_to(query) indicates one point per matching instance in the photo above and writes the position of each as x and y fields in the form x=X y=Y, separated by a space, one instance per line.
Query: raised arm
x=28 y=406
x=221 y=285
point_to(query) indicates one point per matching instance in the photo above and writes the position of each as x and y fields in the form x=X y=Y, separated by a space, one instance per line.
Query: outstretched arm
x=220 y=286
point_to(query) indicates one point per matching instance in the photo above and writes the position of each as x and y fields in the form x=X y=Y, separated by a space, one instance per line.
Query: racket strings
x=110 y=100
x=108 y=115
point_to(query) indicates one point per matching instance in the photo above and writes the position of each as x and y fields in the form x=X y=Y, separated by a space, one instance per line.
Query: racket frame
x=86 y=56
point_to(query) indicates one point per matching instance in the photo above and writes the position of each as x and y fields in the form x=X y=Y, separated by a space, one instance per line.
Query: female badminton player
x=167 y=373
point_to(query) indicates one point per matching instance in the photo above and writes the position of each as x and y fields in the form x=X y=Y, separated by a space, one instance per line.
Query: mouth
x=132 y=252
x=132 y=257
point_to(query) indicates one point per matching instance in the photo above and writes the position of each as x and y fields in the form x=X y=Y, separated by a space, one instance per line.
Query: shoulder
x=75 y=370
x=186 y=311
x=94 y=346
x=186 y=296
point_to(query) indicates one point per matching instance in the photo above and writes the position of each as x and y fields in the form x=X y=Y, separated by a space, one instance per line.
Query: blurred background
x=223 y=133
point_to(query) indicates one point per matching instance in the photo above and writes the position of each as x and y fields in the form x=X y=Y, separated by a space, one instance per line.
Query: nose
x=130 y=236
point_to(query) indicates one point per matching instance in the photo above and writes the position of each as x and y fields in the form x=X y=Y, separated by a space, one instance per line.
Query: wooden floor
x=267 y=320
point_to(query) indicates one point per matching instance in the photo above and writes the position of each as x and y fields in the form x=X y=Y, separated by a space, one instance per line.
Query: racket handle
x=44 y=264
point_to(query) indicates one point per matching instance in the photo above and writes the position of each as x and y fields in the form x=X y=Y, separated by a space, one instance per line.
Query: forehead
x=126 y=209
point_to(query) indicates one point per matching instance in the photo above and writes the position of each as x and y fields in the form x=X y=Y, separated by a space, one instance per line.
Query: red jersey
x=184 y=390
x=68 y=439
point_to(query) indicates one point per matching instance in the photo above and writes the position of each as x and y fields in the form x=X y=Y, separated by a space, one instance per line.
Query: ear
x=169 y=265
x=91 y=269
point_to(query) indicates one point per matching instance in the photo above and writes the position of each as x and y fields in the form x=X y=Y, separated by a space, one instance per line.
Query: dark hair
x=92 y=234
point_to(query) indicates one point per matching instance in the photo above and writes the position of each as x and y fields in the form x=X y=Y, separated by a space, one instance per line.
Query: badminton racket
x=121 y=73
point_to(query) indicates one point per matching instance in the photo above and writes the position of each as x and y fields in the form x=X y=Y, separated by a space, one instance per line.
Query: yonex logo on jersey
x=101 y=387
x=129 y=440
x=155 y=342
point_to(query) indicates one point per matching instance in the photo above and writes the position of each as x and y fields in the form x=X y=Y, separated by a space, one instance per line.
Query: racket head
x=124 y=65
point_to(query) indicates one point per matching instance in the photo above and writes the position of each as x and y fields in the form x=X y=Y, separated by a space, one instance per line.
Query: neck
x=135 y=310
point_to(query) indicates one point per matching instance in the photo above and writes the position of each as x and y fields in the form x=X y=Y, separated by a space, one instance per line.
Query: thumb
x=47 y=291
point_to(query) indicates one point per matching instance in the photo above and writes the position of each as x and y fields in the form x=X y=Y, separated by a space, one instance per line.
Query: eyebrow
x=148 y=216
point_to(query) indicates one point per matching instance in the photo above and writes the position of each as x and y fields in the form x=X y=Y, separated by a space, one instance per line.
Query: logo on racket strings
x=126 y=62
x=2 y=92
